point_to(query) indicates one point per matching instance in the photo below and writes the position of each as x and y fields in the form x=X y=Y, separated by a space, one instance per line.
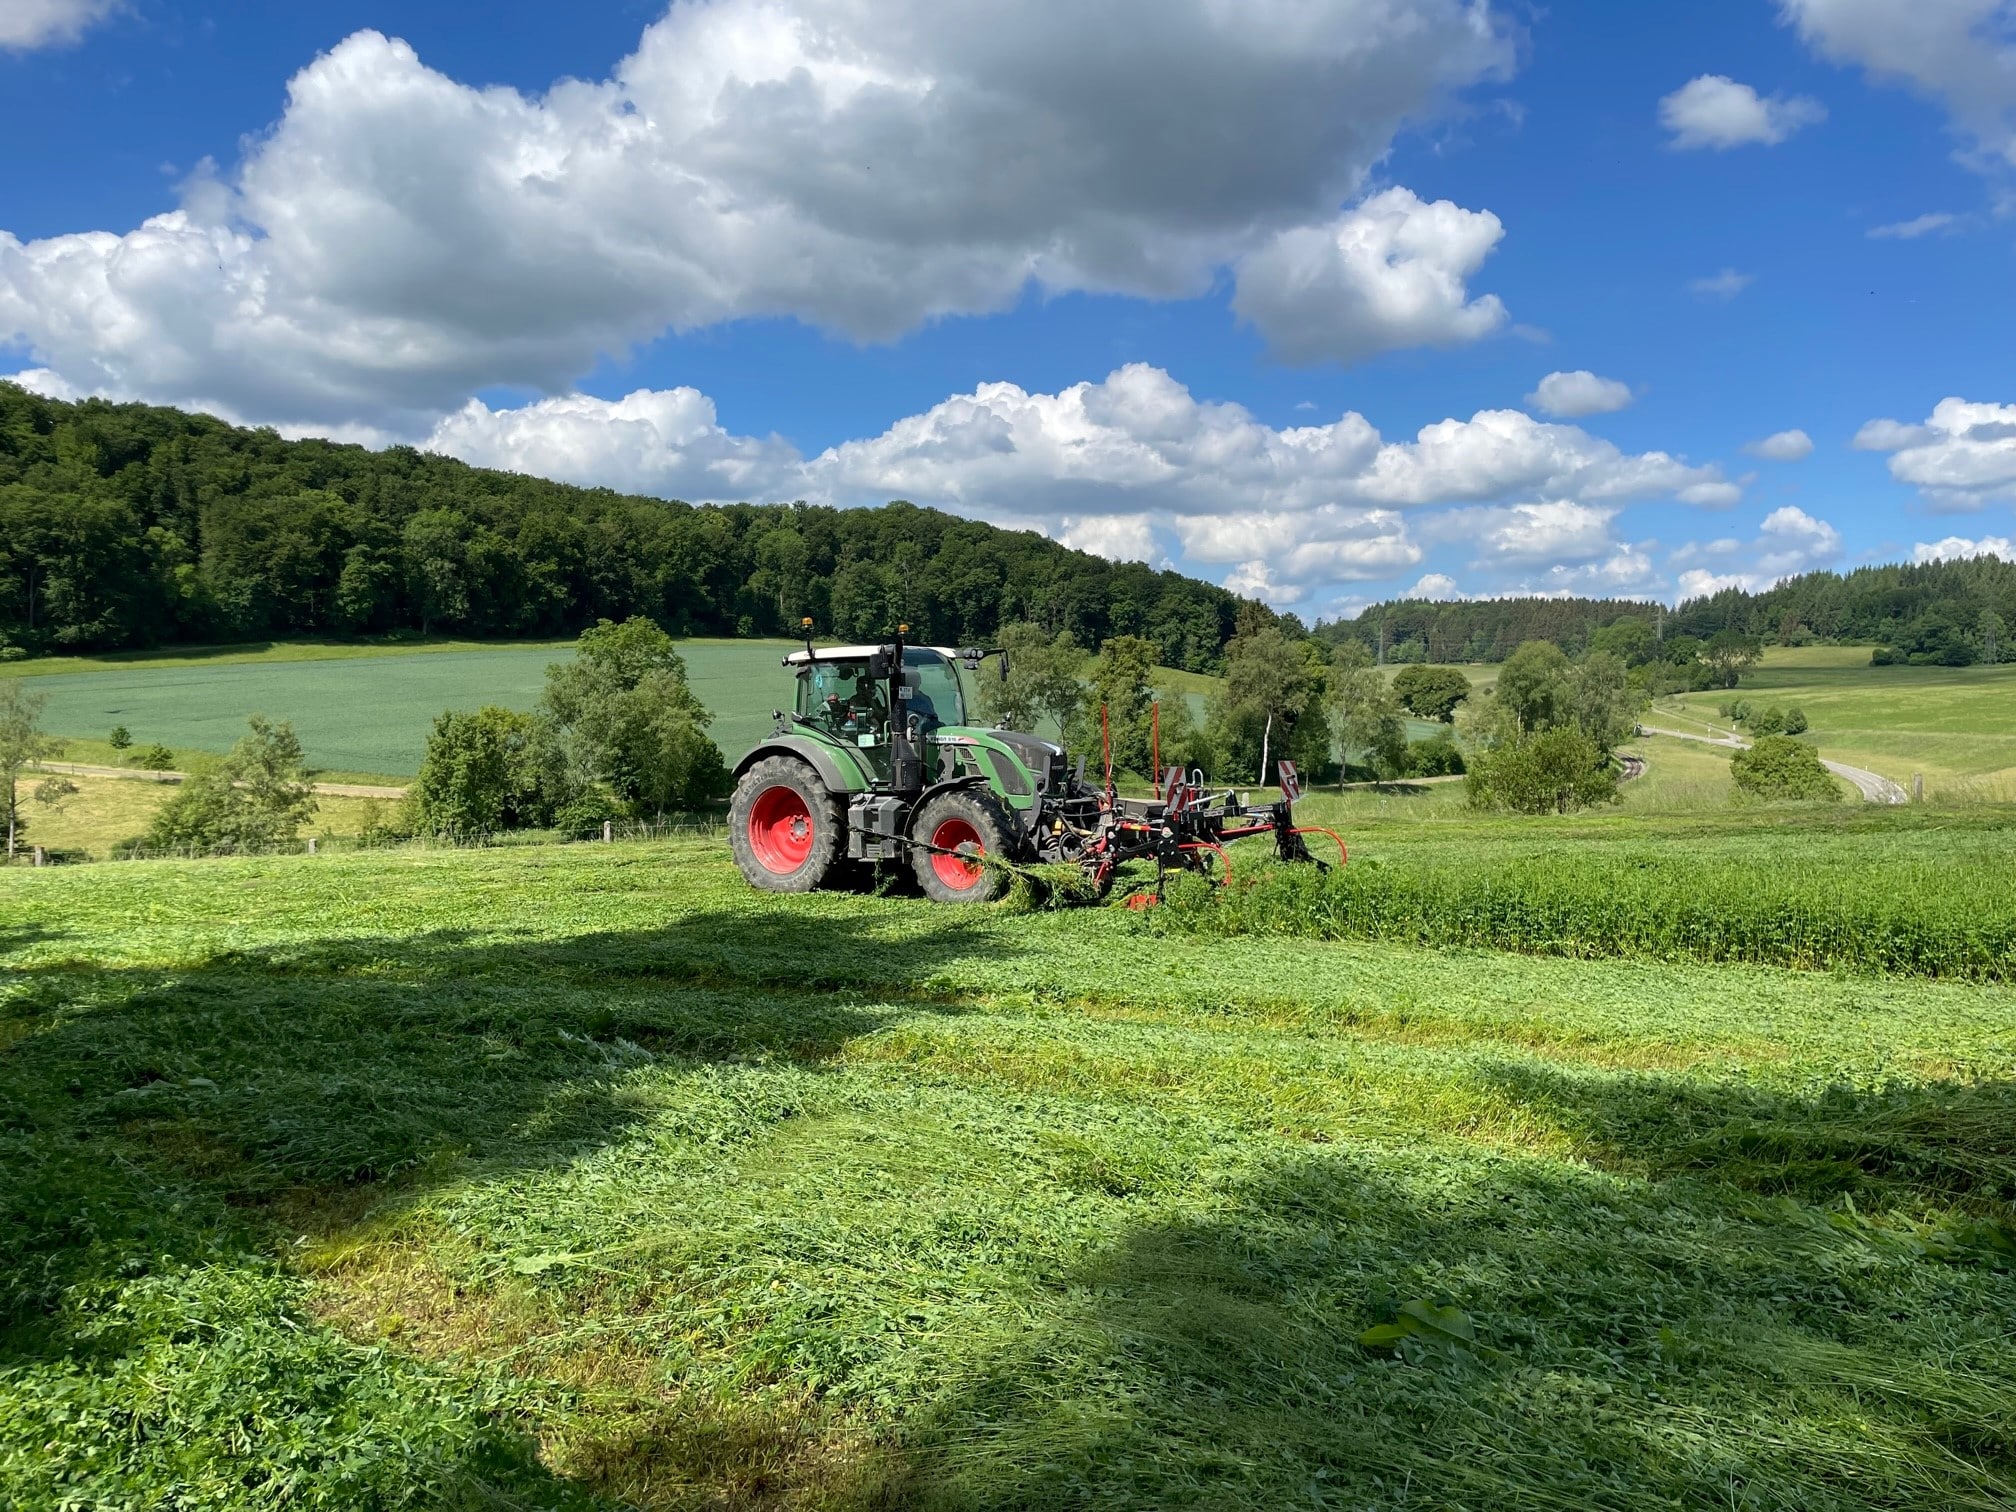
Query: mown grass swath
x=1919 y=903
x=580 y=1177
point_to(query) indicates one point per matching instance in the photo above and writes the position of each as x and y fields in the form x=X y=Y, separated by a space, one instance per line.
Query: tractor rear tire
x=784 y=826
x=972 y=823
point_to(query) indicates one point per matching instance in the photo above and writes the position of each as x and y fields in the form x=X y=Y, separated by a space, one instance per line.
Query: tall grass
x=1886 y=910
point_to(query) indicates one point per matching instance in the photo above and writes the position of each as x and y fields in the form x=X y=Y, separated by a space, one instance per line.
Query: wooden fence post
x=608 y=831
x=311 y=845
x=38 y=856
x=1917 y=787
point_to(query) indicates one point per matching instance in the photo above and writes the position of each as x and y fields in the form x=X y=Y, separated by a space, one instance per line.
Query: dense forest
x=125 y=525
x=1953 y=613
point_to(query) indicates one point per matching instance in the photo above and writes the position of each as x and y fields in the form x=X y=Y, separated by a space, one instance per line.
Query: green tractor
x=877 y=763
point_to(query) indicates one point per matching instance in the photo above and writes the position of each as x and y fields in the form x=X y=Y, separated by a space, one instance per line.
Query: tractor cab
x=844 y=692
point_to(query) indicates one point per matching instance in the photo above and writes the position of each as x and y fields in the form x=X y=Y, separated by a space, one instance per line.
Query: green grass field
x=583 y=1177
x=366 y=712
x=1956 y=725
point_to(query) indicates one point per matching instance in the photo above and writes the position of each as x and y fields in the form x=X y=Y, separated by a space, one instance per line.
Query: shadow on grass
x=164 y=1134
x=1946 y=1142
x=1632 y=1347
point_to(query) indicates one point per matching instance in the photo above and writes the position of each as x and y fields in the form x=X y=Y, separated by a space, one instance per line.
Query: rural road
x=327 y=789
x=1874 y=788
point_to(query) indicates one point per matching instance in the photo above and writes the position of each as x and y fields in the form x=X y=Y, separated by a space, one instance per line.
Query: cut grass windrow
x=1855 y=904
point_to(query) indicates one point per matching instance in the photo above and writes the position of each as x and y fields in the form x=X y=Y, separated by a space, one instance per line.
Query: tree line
x=1935 y=613
x=126 y=525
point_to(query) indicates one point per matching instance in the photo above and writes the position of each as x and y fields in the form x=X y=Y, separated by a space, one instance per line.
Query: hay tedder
x=876 y=764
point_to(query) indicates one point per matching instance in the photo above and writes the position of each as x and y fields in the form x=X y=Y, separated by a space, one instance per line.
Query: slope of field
x=584 y=1177
x=1957 y=725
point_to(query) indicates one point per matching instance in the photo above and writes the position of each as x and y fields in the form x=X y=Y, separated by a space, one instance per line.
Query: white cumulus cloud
x=1715 y=111
x=1569 y=396
x=1789 y=542
x=1960 y=52
x=1437 y=588
x=665 y=441
x=1959 y=548
x=1132 y=467
x=1390 y=273
x=26 y=25
x=1961 y=458
x=1785 y=446
x=399 y=240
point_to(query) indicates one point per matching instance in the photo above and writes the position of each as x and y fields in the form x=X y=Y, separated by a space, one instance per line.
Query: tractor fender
x=910 y=819
x=1024 y=819
x=812 y=753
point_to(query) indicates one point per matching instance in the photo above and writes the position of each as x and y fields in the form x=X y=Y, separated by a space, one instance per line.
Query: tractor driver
x=860 y=714
x=868 y=714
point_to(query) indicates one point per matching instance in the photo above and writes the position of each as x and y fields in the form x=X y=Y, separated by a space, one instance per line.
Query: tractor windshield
x=841 y=696
x=934 y=689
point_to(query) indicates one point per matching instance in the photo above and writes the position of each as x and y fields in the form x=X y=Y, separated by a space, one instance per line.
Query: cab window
x=934 y=689
x=841 y=697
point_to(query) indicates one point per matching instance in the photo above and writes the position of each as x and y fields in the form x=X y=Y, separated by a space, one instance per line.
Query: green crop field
x=369 y=713
x=1956 y=725
x=583 y=1177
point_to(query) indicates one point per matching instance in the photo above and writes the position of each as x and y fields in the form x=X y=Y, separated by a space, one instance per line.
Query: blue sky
x=1266 y=290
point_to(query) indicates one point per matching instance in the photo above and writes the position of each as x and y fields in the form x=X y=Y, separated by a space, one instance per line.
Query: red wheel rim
x=780 y=829
x=957 y=872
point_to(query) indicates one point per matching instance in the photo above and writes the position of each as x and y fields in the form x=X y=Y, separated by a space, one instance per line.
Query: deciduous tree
x=22 y=743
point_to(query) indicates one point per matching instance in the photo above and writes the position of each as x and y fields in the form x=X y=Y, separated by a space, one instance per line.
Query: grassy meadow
x=107 y=813
x=1956 y=725
x=583 y=1177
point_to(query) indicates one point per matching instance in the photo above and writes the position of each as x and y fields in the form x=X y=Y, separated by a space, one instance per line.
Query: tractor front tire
x=784 y=826
x=959 y=827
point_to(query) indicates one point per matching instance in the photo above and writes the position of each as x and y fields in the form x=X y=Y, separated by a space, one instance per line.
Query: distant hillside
x=126 y=525
x=1933 y=612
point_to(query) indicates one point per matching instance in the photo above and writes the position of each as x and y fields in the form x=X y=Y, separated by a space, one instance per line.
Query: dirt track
x=1874 y=787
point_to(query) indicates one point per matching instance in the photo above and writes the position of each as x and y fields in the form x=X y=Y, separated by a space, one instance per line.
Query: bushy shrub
x=493 y=770
x=156 y=758
x=1766 y=721
x=1779 y=767
x=1431 y=692
x=1436 y=756
x=256 y=797
x=1555 y=772
x=582 y=818
x=630 y=721
x=120 y=738
x=1795 y=721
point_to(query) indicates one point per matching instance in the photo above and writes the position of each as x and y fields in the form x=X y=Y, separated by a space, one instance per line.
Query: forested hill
x=1938 y=611
x=125 y=525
